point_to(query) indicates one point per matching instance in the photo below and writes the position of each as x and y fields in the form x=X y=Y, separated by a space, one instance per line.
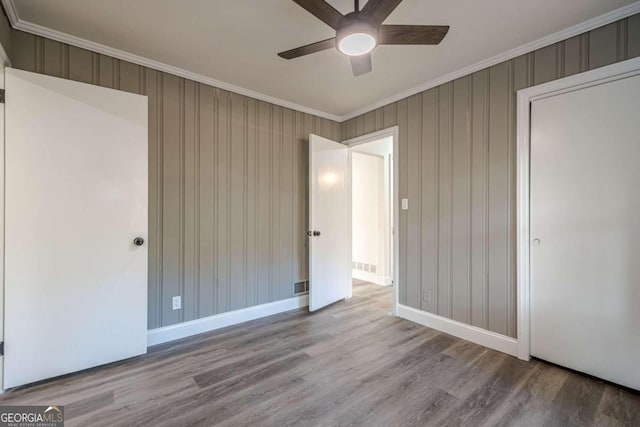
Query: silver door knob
x=536 y=241
x=138 y=241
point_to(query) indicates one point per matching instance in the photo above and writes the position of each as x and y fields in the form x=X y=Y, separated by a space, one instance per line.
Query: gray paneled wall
x=228 y=180
x=227 y=183
x=457 y=168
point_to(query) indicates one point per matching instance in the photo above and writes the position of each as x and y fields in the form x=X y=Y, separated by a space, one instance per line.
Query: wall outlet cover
x=426 y=296
x=177 y=303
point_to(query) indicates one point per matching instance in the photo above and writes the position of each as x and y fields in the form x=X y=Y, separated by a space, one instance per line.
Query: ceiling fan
x=360 y=31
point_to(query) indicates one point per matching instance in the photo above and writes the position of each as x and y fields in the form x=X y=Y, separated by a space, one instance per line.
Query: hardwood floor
x=350 y=364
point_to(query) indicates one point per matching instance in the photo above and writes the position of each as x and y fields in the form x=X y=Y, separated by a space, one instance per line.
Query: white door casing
x=76 y=197
x=576 y=277
x=330 y=251
x=394 y=205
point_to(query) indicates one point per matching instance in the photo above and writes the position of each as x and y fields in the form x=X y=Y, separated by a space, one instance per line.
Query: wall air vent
x=363 y=266
x=300 y=288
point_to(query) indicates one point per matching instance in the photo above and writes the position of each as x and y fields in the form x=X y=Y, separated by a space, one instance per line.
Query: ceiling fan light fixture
x=356 y=37
x=357 y=44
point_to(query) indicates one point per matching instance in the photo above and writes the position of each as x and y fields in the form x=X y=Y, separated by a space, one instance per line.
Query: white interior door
x=585 y=229
x=76 y=197
x=329 y=222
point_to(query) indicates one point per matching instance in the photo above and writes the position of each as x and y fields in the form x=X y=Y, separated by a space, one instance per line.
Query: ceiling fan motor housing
x=353 y=24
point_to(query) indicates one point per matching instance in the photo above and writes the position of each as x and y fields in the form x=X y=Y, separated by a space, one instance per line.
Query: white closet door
x=585 y=230
x=76 y=198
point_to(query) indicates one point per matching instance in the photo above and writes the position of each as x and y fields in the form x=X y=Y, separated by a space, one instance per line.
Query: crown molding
x=567 y=33
x=39 y=30
x=575 y=30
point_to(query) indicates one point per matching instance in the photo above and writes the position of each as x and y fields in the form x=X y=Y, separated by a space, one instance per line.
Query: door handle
x=316 y=233
x=138 y=241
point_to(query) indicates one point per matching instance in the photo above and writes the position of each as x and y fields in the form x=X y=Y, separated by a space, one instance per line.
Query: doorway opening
x=373 y=217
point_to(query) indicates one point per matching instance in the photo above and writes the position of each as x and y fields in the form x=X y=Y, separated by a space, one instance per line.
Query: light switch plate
x=177 y=303
x=405 y=204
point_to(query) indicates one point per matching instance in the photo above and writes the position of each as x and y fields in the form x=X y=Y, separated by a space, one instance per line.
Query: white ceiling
x=236 y=41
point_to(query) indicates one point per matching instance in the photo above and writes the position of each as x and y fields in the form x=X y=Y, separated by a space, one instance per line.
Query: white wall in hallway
x=371 y=228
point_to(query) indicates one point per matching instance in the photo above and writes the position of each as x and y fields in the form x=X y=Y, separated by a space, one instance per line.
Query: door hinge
x=2 y=344
x=1 y=96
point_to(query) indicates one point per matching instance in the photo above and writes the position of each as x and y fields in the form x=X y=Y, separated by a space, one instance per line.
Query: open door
x=329 y=231
x=76 y=227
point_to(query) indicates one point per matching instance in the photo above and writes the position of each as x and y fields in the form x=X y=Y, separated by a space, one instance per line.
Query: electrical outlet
x=405 y=204
x=426 y=296
x=177 y=303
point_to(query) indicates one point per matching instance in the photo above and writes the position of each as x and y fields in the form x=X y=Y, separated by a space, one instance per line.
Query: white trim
x=595 y=77
x=371 y=277
x=395 y=200
x=565 y=34
x=4 y=58
x=598 y=21
x=474 y=334
x=217 y=321
x=2 y=227
x=40 y=30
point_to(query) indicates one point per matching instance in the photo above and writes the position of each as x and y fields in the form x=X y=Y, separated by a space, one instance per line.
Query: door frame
x=395 y=205
x=584 y=80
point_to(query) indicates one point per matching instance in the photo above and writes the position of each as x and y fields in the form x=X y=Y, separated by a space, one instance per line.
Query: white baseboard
x=474 y=334
x=371 y=277
x=217 y=321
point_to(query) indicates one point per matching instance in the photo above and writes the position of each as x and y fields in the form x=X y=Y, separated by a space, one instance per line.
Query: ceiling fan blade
x=412 y=34
x=322 y=10
x=360 y=64
x=310 y=48
x=377 y=11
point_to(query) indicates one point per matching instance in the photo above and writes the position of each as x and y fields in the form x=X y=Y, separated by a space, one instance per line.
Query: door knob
x=138 y=241
x=316 y=233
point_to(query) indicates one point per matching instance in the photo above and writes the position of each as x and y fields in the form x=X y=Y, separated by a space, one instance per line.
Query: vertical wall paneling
x=81 y=66
x=457 y=167
x=171 y=183
x=237 y=289
x=412 y=216
x=286 y=201
x=572 y=56
x=604 y=44
x=153 y=93
x=445 y=109
x=223 y=232
x=633 y=36
x=479 y=197
x=228 y=180
x=545 y=61
x=188 y=202
x=206 y=231
x=227 y=184
x=428 y=165
x=402 y=120
x=251 y=277
x=460 y=204
x=499 y=83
